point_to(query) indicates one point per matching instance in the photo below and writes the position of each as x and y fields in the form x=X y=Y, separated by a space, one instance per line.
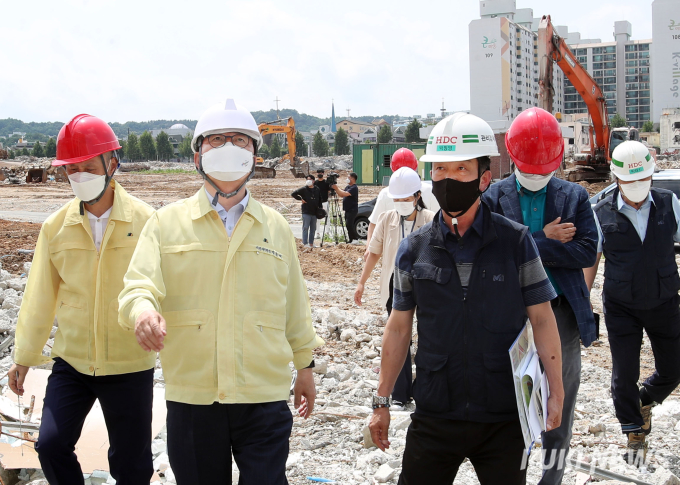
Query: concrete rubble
x=334 y=443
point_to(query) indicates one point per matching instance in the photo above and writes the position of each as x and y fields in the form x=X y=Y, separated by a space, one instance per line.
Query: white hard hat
x=460 y=137
x=403 y=183
x=631 y=161
x=223 y=117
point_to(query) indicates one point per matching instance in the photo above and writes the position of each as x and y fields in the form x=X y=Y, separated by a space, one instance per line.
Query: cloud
x=132 y=60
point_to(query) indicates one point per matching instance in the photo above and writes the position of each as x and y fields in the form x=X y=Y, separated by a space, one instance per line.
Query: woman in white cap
x=394 y=225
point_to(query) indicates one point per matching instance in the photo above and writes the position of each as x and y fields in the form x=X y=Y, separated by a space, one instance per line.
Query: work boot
x=646 y=412
x=636 y=450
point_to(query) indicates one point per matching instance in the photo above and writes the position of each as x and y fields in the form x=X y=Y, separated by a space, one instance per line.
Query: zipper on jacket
x=465 y=360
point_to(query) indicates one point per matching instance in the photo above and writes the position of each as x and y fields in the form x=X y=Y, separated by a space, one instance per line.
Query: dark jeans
x=202 y=438
x=126 y=401
x=435 y=448
x=625 y=327
x=308 y=228
x=349 y=222
x=403 y=387
x=556 y=442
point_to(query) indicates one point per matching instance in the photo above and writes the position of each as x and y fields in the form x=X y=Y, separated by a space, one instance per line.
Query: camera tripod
x=336 y=228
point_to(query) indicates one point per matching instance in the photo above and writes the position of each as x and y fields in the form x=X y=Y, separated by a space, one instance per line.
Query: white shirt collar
x=241 y=206
x=620 y=202
x=105 y=215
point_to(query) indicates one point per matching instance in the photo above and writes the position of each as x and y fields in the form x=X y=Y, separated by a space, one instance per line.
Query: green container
x=371 y=162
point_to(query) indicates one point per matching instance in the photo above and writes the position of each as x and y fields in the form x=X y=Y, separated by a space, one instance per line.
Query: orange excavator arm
x=553 y=48
x=297 y=167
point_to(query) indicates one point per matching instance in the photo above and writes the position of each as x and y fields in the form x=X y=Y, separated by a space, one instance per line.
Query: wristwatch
x=381 y=401
x=311 y=366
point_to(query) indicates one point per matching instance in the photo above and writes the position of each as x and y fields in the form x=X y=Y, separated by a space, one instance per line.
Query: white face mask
x=533 y=181
x=309 y=183
x=87 y=186
x=228 y=163
x=636 y=191
x=404 y=209
x=349 y=182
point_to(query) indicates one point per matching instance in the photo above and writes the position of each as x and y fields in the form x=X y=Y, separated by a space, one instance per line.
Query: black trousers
x=202 y=438
x=403 y=387
x=435 y=448
x=126 y=401
x=625 y=326
x=349 y=222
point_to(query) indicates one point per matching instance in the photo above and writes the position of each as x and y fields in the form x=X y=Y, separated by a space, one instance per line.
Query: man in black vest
x=472 y=276
x=638 y=226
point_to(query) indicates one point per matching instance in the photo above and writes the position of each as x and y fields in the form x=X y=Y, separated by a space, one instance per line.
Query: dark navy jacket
x=640 y=275
x=463 y=365
x=566 y=261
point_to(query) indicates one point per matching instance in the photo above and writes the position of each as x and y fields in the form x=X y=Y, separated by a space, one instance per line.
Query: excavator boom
x=297 y=167
x=553 y=48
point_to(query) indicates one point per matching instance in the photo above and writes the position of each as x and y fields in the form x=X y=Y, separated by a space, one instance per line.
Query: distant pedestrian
x=350 y=204
x=311 y=203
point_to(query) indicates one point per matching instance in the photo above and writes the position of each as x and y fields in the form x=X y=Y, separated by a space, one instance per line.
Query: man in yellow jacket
x=80 y=259
x=215 y=285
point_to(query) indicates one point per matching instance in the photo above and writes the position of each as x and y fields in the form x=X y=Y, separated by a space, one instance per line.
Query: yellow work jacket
x=71 y=279
x=236 y=308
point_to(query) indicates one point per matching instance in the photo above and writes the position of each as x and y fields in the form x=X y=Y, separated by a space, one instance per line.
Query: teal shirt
x=533 y=209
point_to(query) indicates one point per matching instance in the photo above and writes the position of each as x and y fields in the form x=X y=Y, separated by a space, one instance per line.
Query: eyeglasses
x=217 y=140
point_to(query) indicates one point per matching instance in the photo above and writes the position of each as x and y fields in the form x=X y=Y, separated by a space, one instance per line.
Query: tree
x=412 y=133
x=10 y=154
x=263 y=151
x=184 y=148
x=300 y=145
x=122 y=149
x=132 y=148
x=618 y=121
x=648 y=126
x=38 y=150
x=341 y=142
x=51 y=148
x=275 y=147
x=164 y=147
x=385 y=134
x=147 y=146
x=24 y=152
x=320 y=145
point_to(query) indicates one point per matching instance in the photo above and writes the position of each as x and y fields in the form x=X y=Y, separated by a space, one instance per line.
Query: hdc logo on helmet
x=446 y=140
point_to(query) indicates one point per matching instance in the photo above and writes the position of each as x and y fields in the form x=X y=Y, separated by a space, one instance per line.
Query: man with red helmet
x=80 y=259
x=561 y=222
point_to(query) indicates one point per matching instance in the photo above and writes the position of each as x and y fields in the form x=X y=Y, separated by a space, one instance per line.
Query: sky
x=140 y=60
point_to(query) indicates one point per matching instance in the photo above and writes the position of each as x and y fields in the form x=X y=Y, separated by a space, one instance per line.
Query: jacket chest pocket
x=500 y=282
x=261 y=270
x=201 y=267
x=430 y=283
x=266 y=351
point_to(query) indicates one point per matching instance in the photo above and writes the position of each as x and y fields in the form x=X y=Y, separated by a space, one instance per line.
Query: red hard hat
x=534 y=142
x=404 y=158
x=82 y=138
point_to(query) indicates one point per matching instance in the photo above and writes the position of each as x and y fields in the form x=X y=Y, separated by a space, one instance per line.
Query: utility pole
x=348 y=110
x=443 y=109
x=277 y=108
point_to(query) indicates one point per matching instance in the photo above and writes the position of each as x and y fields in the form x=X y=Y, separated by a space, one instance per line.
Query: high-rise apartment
x=504 y=63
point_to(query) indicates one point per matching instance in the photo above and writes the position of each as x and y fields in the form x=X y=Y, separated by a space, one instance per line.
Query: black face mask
x=455 y=196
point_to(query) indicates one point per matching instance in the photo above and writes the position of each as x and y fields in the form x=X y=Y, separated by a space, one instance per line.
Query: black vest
x=463 y=365
x=640 y=275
